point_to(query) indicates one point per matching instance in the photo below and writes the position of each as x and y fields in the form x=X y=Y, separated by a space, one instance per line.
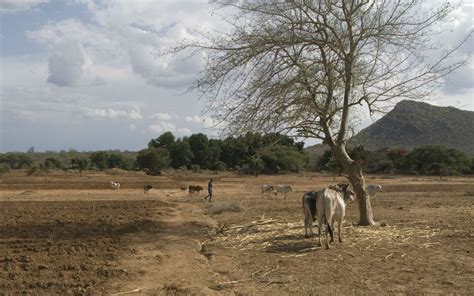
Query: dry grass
x=224 y=206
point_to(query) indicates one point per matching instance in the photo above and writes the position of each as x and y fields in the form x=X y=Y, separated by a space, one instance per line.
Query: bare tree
x=304 y=67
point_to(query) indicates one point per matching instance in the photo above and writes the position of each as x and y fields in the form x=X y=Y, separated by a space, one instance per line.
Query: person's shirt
x=209 y=185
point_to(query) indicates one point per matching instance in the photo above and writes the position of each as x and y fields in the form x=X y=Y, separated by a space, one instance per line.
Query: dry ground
x=65 y=235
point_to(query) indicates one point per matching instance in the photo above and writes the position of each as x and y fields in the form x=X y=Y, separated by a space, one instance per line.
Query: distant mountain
x=412 y=124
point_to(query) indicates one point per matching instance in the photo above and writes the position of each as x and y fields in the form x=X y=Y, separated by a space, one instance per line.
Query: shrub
x=4 y=168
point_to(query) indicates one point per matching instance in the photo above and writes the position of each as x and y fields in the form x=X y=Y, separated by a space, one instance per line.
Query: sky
x=84 y=74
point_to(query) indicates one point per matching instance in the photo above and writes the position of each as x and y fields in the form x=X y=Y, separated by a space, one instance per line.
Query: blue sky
x=81 y=73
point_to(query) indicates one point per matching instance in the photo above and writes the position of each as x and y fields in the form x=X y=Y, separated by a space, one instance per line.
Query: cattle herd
x=327 y=206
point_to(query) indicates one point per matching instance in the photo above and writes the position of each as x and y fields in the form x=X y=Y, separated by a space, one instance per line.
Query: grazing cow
x=372 y=191
x=331 y=205
x=147 y=188
x=114 y=185
x=309 y=211
x=266 y=190
x=184 y=188
x=194 y=189
x=283 y=189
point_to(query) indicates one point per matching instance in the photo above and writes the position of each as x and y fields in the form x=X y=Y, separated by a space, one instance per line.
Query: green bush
x=4 y=168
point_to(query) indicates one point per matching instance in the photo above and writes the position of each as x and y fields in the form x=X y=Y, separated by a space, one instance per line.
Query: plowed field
x=63 y=234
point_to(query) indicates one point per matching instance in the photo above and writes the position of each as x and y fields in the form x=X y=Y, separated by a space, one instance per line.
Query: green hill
x=412 y=124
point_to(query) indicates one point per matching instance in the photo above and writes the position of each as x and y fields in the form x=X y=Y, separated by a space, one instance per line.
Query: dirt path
x=174 y=260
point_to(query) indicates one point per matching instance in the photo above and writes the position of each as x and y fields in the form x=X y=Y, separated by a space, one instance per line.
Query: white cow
x=266 y=190
x=114 y=185
x=372 y=191
x=331 y=206
x=283 y=189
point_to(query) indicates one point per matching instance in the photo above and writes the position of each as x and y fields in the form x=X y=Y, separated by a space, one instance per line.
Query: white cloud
x=110 y=113
x=155 y=129
x=135 y=114
x=132 y=127
x=130 y=36
x=184 y=131
x=204 y=120
x=162 y=116
x=66 y=64
x=161 y=127
x=12 y=6
x=168 y=126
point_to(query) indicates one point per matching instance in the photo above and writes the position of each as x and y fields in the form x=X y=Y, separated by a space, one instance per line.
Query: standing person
x=209 y=190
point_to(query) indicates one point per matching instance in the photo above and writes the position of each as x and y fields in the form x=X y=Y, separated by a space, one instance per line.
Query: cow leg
x=332 y=233
x=320 y=222
x=329 y=231
x=339 y=227
x=308 y=225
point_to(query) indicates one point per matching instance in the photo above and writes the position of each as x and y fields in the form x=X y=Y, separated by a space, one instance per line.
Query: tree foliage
x=436 y=160
x=154 y=160
x=16 y=160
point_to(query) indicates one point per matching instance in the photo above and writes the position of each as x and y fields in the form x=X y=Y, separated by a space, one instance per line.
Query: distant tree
x=100 y=160
x=257 y=165
x=199 y=144
x=154 y=159
x=116 y=160
x=16 y=160
x=79 y=163
x=396 y=155
x=221 y=166
x=213 y=154
x=436 y=160
x=327 y=162
x=384 y=166
x=31 y=150
x=4 y=168
x=165 y=140
x=230 y=154
x=52 y=163
x=180 y=153
x=282 y=158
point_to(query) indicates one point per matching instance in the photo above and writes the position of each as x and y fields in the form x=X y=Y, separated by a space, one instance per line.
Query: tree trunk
x=353 y=169
x=366 y=216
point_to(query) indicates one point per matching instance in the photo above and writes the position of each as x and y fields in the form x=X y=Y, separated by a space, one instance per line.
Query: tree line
x=251 y=153
x=439 y=160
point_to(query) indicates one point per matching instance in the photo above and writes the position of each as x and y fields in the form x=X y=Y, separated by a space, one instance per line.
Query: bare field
x=63 y=234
